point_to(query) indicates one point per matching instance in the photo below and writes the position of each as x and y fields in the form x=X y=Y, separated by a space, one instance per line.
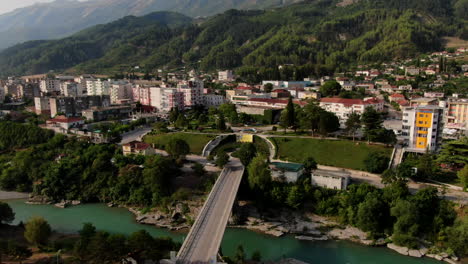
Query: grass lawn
x=337 y=153
x=196 y=141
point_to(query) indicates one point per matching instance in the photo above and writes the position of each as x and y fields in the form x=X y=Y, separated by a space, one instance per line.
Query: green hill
x=315 y=36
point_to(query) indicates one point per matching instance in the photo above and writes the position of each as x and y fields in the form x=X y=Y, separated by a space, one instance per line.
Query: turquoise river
x=119 y=220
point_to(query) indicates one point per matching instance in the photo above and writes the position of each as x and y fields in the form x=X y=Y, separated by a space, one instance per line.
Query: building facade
x=330 y=179
x=422 y=128
x=343 y=108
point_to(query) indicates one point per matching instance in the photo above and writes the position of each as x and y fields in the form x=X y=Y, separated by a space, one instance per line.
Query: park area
x=196 y=141
x=337 y=153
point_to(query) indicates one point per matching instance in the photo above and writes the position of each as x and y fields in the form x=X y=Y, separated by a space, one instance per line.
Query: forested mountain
x=316 y=35
x=65 y=17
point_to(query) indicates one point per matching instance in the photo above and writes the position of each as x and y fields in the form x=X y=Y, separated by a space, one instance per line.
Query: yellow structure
x=246 y=138
x=422 y=127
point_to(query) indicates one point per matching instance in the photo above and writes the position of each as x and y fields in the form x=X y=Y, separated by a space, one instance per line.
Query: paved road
x=203 y=242
x=136 y=134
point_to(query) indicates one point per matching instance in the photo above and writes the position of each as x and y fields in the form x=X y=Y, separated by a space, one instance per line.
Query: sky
x=10 y=5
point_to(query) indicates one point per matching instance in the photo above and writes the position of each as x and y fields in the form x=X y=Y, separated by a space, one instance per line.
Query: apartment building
x=342 y=108
x=422 y=127
x=73 y=106
x=142 y=95
x=193 y=92
x=457 y=113
x=98 y=87
x=42 y=105
x=164 y=99
x=71 y=89
x=49 y=85
x=226 y=76
x=213 y=100
x=120 y=92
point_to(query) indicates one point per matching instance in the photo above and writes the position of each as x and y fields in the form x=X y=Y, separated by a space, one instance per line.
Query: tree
x=221 y=123
x=256 y=256
x=458 y=236
x=268 y=88
x=454 y=153
x=295 y=197
x=6 y=213
x=177 y=148
x=240 y=255
x=18 y=252
x=372 y=214
x=174 y=114
x=372 y=121
x=291 y=114
x=259 y=173
x=181 y=121
x=463 y=176
x=330 y=88
x=222 y=159
x=376 y=162
x=283 y=122
x=246 y=153
x=309 y=165
x=353 y=123
x=311 y=116
x=329 y=123
x=405 y=229
x=402 y=173
x=37 y=231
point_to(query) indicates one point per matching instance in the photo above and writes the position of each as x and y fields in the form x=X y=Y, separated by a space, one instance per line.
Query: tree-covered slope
x=316 y=35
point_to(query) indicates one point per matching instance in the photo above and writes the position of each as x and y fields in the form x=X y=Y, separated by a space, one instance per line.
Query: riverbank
x=4 y=195
x=302 y=226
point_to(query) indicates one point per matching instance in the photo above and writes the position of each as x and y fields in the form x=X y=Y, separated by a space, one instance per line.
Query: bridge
x=204 y=239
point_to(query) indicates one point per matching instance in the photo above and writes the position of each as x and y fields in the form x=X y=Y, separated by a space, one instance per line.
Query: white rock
x=450 y=261
x=423 y=250
x=401 y=250
x=414 y=253
x=439 y=257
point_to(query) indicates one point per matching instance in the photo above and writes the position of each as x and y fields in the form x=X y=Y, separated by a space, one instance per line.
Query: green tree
x=283 y=122
x=454 y=153
x=18 y=252
x=181 y=121
x=37 y=231
x=177 y=148
x=328 y=123
x=330 y=88
x=268 y=88
x=240 y=255
x=174 y=114
x=309 y=165
x=372 y=122
x=405 y=229
x=295 y=197
x=353 y=124
x=259 y=175
x=372 y=214
x=376 y=162
x=221 y=123
x=246 y=153
x=462 y=175
x=458 y=236
x=6 y=213
x=291 y=114
x=222 y=159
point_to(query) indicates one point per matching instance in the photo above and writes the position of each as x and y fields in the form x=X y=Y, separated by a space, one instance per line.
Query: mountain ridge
x=62 y=18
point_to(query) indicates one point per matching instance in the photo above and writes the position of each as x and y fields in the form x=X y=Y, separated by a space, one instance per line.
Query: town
x=390 y=124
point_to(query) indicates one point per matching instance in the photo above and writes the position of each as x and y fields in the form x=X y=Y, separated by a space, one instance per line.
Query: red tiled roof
x=276 y=101
x=62 y=119
x=348 y=102
x=397 y=95
x=244 y=88
x=138 y=145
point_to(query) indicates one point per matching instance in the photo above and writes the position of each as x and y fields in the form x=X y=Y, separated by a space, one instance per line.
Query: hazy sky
x=9 y=5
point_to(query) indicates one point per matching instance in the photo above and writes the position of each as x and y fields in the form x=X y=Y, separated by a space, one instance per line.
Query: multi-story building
x=226 y=76
x=98 y=87
x=42 y=105
x=142 y=95
x=422 y=127
x=164 y=99
x=120 y=92
x=193 y=92
x=49 y=85
x=71 y=89
x=213 y=100
x=73 y=106
x=104 y=113
x=342 y=108
x=28 y=90
x=457 y=113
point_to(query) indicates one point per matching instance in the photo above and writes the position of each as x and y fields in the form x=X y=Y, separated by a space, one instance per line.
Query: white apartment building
x=213 y=100
x=226 y=76
x=342 y=108
x=422 y=127
x=164 y=99
x=49 y=85
x=142 y=95
x=98 y=87
x=121 y=92
x=457 y=113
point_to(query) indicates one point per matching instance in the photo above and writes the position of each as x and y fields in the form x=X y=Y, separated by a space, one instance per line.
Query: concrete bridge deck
x=205 y=237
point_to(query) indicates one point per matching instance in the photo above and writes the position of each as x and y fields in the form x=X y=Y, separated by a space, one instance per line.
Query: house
x=396 y=97
x=434 y=94
x=422 y=101
x=286 y=172
x=138 y=148
x=62 y=124
x=338 y=180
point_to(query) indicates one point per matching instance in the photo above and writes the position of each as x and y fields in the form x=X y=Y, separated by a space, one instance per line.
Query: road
x=135 y=135
x=203 y=242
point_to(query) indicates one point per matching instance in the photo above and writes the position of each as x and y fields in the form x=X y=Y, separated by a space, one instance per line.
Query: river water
x=119 y=220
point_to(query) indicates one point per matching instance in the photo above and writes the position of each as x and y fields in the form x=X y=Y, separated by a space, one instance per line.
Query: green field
x=337 y=153
x=196 y=141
